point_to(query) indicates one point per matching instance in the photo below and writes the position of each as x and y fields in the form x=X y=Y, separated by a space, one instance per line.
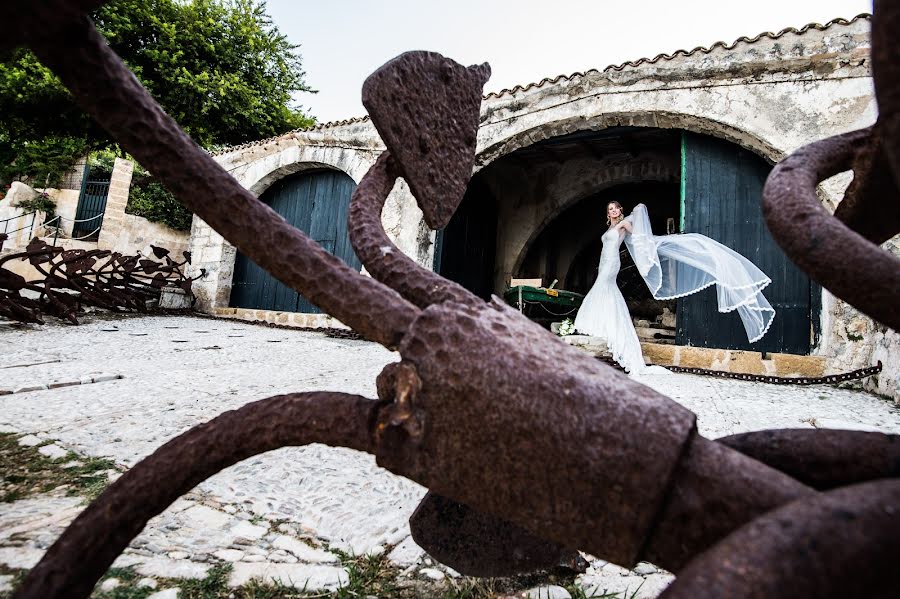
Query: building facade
x=693 y=135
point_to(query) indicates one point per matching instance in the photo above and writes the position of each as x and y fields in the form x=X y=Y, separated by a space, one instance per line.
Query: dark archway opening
x=465 y=250
x=690 y=183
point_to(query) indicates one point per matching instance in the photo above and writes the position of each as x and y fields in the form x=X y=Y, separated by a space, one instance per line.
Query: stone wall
x=853 y=340
x=529 y=198
x=130 y=234
x=120 y=232
x=771 y=95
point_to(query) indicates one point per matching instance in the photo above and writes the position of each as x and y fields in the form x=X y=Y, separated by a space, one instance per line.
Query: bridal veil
x=678 y=265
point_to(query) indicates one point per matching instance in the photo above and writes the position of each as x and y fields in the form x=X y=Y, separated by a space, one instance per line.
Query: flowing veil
x=679 y=265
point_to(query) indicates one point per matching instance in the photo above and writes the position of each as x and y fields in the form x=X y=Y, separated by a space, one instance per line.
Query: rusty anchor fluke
x=525 y=463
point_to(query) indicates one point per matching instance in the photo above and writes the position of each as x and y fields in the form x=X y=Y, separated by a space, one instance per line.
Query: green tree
x=220 y=68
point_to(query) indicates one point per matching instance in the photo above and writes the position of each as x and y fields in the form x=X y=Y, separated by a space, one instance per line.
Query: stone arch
x=514 y=138
x=613 y=175
x=257 y=168
x=502 y=138
x=261 y=172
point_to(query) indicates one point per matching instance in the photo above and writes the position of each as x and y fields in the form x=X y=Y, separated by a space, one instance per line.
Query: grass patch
x=25 y=472
x=18 y=577
x=368 y=575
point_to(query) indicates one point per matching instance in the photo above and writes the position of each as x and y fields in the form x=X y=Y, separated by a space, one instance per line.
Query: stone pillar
x=211 y=253
x=114 y=215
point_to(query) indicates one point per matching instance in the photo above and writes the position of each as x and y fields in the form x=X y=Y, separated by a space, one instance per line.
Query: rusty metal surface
x=714 y=491
x=70 y=279
x=90 y=544
x=843 y=543
x=543 y=431
x=886 y=72
x=426 y=109
x=100 y=83
x=581 y=457
x=381 y=257
x=823 y=459
x=871 y=205
x=43 y=18
x=865 y=276
x=476 y=544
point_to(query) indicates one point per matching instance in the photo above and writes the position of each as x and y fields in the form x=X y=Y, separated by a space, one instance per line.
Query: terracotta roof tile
x=614 y=67
x=316 y=127
x=680 y=52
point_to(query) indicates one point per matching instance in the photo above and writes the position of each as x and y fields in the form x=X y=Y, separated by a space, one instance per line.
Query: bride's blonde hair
x=618 y=205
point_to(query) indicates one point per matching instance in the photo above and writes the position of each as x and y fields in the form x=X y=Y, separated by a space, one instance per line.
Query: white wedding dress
x=672 y=266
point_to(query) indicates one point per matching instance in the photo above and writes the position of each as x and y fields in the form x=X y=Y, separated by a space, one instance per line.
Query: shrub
x=149 y=199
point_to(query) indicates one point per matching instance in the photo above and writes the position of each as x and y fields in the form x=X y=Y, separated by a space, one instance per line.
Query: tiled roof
x=612 y=67
x=316 y=127
x=680 y=52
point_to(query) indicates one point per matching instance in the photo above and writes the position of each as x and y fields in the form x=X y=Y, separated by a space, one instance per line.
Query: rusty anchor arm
x=105 y=88
x=87 y=548
x=586 y=458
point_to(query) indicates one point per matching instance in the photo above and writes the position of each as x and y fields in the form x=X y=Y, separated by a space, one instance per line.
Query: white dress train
x=672 y=266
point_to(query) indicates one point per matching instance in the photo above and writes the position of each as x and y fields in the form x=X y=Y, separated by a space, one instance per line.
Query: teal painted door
x=721 y=193
x=91 y=206
x=316 y=203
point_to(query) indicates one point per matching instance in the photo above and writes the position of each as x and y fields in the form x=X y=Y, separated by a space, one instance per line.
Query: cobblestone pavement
x=284 y=514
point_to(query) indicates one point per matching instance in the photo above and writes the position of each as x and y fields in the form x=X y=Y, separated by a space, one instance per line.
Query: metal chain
x=830 y=379
x=547 y=310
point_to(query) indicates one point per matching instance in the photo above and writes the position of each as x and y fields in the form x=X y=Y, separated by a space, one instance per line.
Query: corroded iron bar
x=886 y=74
x=843 y=543
x=477 y=544
x=88 y=547
x=381 y=257
x=714 y=491
x=848 y=265
x=871 y=204
x=588 y=458
x=40 y=19
x=823 y=459
x=106 y=89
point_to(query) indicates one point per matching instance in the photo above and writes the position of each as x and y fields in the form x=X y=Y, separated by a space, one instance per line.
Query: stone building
x=692 y=134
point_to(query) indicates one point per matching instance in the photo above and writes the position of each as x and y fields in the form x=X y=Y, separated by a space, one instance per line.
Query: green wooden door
x=721 y=193
x=315 y=202
x=91 y=205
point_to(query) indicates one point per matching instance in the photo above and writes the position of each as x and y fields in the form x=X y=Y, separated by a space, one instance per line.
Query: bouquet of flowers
x=567 y=327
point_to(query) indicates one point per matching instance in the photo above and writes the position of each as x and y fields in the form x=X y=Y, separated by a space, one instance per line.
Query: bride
x=672 y=266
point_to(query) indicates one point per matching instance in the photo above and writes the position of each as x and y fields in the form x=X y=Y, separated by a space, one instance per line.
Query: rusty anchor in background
x=525 y=463
x=74 y=278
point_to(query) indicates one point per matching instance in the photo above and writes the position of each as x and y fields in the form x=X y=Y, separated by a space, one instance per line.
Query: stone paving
x=283 y=515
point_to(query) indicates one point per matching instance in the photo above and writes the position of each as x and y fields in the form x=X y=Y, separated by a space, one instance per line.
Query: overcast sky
x=342 y=41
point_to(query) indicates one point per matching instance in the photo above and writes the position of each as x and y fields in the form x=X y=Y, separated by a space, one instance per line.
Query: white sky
x=343 y=41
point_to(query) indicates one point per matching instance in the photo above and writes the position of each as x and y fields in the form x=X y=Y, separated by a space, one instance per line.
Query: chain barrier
x=831 y=379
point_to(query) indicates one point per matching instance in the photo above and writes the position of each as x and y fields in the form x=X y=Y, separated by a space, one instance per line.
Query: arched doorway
x=316 y=202
x=550 y=199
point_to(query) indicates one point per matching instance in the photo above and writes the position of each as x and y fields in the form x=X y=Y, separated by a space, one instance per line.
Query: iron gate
x=91 y=205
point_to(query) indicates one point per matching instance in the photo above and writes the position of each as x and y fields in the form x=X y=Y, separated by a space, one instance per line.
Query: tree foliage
x=220 y=68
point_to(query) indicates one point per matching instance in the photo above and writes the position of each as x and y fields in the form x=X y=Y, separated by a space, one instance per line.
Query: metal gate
x=317 y=203
x=91 y=205
x=721 y=198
